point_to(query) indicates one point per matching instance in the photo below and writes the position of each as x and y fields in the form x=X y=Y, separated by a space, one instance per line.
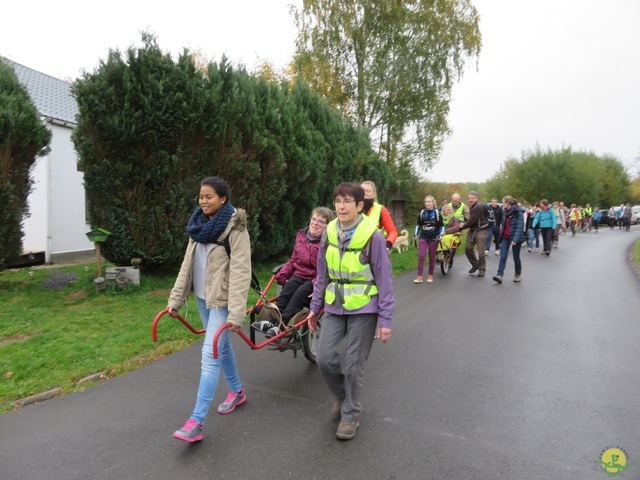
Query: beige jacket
x=227 y=278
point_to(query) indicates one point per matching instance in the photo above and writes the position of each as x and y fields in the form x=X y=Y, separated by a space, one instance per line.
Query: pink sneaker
x=191 y=431
x=232 y=401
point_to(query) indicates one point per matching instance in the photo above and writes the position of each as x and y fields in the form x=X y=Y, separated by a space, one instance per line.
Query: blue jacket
x=516 y=224
x=545 y=219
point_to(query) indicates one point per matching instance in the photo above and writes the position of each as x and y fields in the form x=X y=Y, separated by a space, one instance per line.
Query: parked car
x=635 y=214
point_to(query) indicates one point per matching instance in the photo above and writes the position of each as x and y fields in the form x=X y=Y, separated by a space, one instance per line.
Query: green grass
x=54 y=337
x=637 y=252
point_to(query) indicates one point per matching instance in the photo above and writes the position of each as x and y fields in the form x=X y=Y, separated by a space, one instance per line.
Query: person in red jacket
x=297 y=275
x=379 y=213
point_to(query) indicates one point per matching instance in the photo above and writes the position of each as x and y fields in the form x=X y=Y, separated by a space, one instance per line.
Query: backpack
x=489 y=217
x=255 y=284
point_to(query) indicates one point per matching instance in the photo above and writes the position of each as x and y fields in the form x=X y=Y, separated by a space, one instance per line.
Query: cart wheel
x=444 y=265
x=310 y=341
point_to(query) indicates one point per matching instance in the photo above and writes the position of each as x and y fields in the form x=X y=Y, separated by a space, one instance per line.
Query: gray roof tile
x=52 y=97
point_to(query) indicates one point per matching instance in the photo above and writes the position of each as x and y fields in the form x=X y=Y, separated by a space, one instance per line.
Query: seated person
x=298 y=274
x=451 y=225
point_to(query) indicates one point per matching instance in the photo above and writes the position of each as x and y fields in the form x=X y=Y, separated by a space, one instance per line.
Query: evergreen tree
x=151 y=128
x=23 y=138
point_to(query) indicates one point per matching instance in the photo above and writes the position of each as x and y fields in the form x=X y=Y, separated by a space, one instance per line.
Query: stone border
x=40 y=397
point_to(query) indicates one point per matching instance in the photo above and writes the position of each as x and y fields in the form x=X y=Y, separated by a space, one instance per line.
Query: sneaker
x=473 y=270
x=497 y=252
x=481 y=273
x=429 y=278
x=262 y=325
x=418 y=279
x=537 y=249
x=548 y=252
x=498 y=278
x=232 y=401
x=347 y=429
x=529 y=250
x=272 y=332
x=486 y=253
x=516 y=279
x=191 y=431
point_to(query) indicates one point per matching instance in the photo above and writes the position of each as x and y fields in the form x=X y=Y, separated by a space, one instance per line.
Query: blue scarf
x=203 y=230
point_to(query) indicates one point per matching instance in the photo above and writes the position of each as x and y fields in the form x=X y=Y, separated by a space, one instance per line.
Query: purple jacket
x=303 y=261
x=381 y=304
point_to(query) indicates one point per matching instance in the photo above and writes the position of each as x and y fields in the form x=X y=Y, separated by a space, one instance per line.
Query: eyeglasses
x=345 y=201
x=318 y=221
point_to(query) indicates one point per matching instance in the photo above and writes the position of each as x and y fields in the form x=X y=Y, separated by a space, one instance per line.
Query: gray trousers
x=343 y=372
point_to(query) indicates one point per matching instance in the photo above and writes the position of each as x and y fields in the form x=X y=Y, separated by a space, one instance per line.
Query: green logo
x=614 y=461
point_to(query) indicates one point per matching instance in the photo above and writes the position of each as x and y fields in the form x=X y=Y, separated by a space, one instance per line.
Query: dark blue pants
x=505 y=243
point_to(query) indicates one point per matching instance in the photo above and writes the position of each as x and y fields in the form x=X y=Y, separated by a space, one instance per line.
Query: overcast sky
x=551 y=72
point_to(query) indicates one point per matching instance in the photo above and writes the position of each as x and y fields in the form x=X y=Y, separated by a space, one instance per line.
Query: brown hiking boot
x=347 y=429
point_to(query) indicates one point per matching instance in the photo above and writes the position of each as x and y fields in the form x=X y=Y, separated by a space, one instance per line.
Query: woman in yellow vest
x=378 y=213
x=354 y=284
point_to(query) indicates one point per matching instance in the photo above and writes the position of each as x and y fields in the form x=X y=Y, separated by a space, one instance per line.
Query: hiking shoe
x=262 y=325
x=429 y=278
x=272 y=332
x=481 y=273
x=473 y=270
x=516 y=279
x=347 y=429
x=232 y=401
x=190 y=432
x=498 y=279
x=418 y=279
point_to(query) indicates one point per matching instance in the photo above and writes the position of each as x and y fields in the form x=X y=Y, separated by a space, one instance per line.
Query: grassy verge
x=56 y=329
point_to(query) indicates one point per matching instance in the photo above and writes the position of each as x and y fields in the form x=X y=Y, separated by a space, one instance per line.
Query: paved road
x=479 y=381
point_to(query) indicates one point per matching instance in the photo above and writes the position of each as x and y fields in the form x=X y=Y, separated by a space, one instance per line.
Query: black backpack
x=489 y=217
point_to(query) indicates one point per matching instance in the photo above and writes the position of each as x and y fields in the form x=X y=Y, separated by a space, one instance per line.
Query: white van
x=635 y=214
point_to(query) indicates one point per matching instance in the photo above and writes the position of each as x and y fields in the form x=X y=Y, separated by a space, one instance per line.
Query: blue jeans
x=212 y=320
x=534 y=233
x=505 y=243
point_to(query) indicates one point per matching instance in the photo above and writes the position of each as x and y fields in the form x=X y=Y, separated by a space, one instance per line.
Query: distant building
x=55 y=230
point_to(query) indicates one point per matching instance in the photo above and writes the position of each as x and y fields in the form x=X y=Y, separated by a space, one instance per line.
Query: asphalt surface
x=479 y=381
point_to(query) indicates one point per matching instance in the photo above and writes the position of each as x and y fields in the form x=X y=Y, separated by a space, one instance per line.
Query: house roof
x=52 y=97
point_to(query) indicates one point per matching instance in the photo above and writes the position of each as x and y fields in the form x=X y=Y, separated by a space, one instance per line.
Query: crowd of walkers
x=508 y=225
x=340 y=266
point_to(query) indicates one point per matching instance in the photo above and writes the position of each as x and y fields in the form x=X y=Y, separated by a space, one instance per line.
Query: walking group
x=507 y=224
x=339 y=266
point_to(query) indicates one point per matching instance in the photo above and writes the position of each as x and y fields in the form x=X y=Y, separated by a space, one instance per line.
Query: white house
x=58 y=222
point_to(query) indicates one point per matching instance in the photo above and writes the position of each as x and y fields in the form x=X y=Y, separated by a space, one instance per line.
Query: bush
x=23 y=138
x=150 y=128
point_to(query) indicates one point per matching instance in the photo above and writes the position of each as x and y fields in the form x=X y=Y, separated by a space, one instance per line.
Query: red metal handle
x=248 y=341
x=154 y=326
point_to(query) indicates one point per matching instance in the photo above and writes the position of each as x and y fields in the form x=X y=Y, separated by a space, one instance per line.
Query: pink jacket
x=304 y=259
